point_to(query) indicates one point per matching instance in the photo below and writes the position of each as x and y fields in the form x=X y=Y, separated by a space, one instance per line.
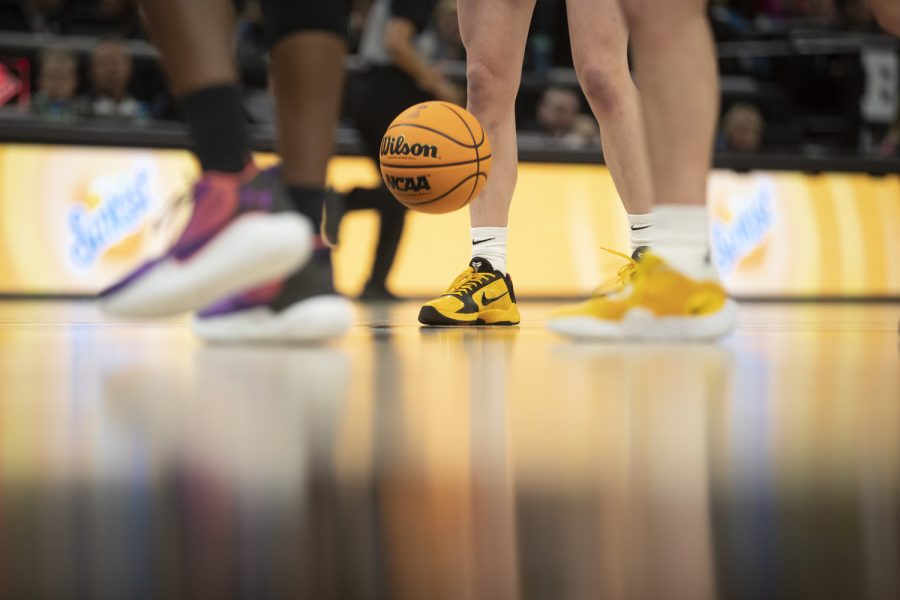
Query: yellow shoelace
x=462 y=277
x=467 y=282
x=623 y=274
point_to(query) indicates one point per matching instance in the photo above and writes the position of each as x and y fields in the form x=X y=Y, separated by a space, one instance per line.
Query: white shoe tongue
x=481 y=265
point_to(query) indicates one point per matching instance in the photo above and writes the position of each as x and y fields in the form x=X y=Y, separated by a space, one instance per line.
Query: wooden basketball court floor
x=137 y=462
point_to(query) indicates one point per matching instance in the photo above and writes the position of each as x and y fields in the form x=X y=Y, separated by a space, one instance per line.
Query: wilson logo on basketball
x=408 y=184
x=397 y=146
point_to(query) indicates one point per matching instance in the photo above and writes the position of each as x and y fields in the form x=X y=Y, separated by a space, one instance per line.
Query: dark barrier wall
x=531 y=148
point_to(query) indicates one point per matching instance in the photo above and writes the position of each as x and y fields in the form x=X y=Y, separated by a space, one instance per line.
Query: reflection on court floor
x=136 y=462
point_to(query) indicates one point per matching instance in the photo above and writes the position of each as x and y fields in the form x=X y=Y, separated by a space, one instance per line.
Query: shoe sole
x=315 y=319
x=430 y=317
x=641 y=325
x=254 y=249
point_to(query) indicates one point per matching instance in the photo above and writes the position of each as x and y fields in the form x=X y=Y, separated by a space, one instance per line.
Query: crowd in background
x=782 y=100
x=107 y=94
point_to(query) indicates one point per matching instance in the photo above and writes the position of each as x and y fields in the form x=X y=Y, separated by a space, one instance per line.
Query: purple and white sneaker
x=303 y=308
x=233 y=242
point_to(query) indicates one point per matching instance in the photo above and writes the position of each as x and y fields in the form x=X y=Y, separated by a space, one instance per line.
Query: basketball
x=435 y=157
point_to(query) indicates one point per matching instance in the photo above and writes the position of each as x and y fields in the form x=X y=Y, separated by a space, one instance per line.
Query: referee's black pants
x=374 y=99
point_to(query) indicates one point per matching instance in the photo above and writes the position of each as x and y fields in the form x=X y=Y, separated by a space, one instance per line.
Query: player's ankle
x=490 y=243
x=641 y=230
x=681 y=237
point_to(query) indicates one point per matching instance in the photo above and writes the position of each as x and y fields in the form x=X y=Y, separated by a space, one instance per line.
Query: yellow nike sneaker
x=480 y=295
x=655 y=302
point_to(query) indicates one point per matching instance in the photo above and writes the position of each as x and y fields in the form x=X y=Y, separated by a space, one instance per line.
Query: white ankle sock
x=642 y=229
x=490 y=243
x=681 y=237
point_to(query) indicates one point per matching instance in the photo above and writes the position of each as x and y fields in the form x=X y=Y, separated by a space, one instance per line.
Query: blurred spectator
x=448 y=44
x=250 y=42
x=559 y=115
x=557 y=110
x=36 y=16
x=57 y=85
x=743 y=127
x=110 y=74
x=359 y=10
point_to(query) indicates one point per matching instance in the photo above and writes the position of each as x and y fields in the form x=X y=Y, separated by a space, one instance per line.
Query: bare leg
x=308 y=72
x=675 y=62
x=494 y=33
x=599 y=48
x=194 y=57
x=676 y=73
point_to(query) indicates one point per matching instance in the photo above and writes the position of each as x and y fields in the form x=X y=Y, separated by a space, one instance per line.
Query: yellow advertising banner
x=74 y=219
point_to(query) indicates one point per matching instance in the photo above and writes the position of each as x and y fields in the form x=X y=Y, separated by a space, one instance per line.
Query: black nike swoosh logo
x=633 y=228
x=488 y=301
x=476 y=242
x=469 y=307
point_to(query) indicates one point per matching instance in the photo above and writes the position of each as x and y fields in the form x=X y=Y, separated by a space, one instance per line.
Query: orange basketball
x=435 y=157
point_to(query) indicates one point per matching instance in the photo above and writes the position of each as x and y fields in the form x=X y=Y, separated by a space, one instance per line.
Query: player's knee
x=604 y=88
x=490 y=94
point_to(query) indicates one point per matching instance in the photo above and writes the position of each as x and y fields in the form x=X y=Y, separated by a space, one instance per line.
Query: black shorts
x=283 y=17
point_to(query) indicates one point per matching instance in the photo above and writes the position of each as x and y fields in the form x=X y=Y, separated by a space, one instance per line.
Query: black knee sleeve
x=284 y=17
